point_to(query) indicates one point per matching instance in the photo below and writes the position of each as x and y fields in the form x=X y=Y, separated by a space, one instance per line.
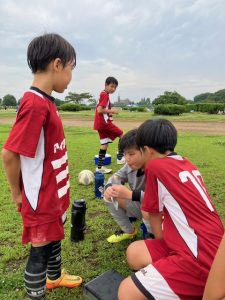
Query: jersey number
x=194 y=178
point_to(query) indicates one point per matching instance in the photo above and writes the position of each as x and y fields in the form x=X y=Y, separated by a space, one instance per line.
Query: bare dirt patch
x=211 y=128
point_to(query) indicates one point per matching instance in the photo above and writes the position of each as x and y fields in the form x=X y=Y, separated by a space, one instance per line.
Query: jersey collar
x=52 y=99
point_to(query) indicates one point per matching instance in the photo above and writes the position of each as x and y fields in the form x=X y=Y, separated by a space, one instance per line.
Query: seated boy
x=126 y=201
x=176 y=264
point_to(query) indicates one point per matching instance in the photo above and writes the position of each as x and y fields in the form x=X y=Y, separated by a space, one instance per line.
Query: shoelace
x=119 y=232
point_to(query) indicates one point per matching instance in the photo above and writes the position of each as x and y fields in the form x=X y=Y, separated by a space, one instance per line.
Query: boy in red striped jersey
x=176 y=264
x=103 y=123
x=36 y=164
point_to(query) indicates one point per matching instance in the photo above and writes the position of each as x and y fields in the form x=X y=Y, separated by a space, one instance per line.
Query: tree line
x=166 y=98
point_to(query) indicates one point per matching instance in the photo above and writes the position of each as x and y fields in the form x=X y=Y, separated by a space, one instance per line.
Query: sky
x=150 y=46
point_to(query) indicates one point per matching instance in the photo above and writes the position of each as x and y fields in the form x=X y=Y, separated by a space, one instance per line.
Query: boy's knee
x=132 y=256
x=138 y=256
x=122 y=292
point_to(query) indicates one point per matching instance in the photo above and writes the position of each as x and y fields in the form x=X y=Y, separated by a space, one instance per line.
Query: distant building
x=122 y=102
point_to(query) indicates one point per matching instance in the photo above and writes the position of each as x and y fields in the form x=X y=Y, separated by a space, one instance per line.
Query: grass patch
x=128 y=116
x=94 y=255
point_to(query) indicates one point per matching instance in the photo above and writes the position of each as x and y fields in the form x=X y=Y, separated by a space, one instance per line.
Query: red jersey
x=191 y=225
x=101 y=120
x=38 y=137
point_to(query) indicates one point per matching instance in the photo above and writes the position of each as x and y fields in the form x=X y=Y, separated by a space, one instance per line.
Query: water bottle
x=78 y=220
x=99 y=185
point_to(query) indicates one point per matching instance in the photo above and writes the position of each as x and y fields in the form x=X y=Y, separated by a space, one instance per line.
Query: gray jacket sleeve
x=120 y=177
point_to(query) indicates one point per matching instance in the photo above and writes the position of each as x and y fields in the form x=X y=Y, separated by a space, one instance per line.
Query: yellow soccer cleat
x=66 y=280
x=120 y=236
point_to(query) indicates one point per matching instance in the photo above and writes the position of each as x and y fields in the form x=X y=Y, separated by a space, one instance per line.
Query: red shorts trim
x=109 y=133
x=49 y=232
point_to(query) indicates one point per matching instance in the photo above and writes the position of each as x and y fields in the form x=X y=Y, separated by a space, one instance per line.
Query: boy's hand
x=108 y=193
x=118 y=191
x=115 y=111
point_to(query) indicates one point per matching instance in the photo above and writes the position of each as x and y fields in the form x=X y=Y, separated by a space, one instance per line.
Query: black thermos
x=78 y=220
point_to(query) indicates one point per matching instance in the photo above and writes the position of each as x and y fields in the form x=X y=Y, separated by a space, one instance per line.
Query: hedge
x=169 y=109
x=73 y=107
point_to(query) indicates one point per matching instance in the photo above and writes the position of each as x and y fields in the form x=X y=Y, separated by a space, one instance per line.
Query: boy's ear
x=149 y=151
x=57 y=64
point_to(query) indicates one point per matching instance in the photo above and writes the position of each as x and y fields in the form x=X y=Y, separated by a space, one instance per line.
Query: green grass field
x=94 y=255
x=129 y=116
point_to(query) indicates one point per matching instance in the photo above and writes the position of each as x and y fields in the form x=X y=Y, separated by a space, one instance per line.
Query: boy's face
x=134 y=158
x=110 y=88
x=64 y=76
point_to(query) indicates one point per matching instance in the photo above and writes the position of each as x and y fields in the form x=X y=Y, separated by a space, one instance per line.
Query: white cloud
x=150 y=46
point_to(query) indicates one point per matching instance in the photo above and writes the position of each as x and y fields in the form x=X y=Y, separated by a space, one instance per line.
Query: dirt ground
x=211 y=128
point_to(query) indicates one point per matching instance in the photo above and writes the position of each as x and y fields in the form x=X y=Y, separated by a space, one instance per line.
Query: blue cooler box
x=107 y=160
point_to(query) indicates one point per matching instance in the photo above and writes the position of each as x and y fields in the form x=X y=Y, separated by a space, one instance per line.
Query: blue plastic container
x=107 y=161
x=99 y=185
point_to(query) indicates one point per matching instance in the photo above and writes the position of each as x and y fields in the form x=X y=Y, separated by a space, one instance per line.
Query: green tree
x=218 y=96
x=92 y=101
x=9 y=100
x=201 y=97
x=169 y=98
x=59 y=102
x=0 y=101
x=78 y=98
x=144 y=102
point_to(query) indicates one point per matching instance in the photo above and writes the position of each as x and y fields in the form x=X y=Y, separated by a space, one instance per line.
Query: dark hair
x=128 y=140
x=45 y=48
x=111 y=80
x=159 y=134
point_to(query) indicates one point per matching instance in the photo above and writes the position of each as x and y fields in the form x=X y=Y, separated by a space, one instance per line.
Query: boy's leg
x=127 y=209
x=112 y=133
x=56 y=278
x=54 y=262
x=35 y=272
x=138 y=257
x=120 y=216
x=169 y=276
x=134 y=293
x=102 y=153
x=120 y=155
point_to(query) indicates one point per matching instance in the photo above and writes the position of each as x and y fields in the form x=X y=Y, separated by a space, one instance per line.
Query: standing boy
x=103 y=123
x=126 y=203
x=176 y=264
x=36 y=164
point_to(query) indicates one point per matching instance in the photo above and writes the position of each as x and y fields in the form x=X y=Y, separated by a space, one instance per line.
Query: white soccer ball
x=86 y=177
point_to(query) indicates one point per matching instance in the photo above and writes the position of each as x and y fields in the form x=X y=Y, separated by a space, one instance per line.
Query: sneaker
x=104 y=170
x=121 y=161
x=120 y=236
x=66 y=280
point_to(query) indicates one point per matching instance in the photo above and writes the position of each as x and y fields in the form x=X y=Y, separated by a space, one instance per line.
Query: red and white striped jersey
x=191 y=224
x=101 y=120
x=38 y=137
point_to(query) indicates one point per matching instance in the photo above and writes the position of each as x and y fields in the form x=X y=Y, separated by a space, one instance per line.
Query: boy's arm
x=11 y=163
x=155 y=221
x=102 y=110
x=215 y=288
x=118 y=191
x=118 y=180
